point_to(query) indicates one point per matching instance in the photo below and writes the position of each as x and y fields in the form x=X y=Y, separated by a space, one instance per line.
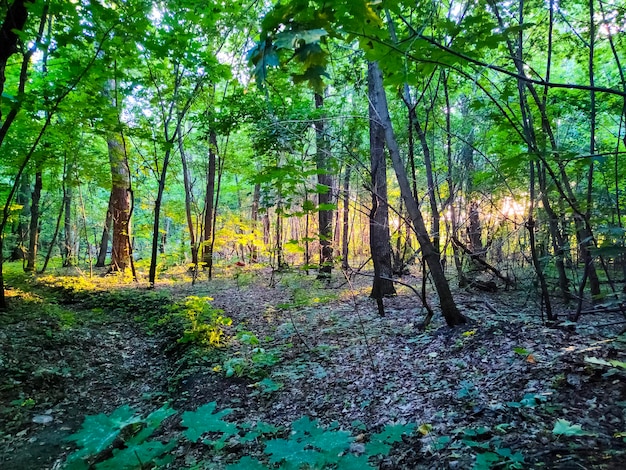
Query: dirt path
x=64 y=376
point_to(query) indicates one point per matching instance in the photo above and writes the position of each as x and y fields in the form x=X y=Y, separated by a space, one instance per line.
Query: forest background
x=478 y=145
x=139 y=128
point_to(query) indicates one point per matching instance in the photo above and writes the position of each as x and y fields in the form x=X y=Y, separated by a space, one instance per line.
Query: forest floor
x=307 y=373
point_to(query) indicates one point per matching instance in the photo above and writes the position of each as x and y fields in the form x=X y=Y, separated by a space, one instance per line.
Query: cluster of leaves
x=122 y=440
x=204 y=324
x=252 y=360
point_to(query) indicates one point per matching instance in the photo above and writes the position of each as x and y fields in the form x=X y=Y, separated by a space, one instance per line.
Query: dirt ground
x=503 y=379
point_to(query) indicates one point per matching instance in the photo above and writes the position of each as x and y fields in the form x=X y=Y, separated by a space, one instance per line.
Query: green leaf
x=602 y=362
x=205 y=420
x=136 y=456
x=485 y=460
x=246 y=463
x=99 y=431
x=291 y=451
x=353 y=462
x=563 y=427
x=380 y=443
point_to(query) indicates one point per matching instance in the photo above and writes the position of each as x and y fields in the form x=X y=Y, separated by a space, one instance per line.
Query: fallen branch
x=475 y=257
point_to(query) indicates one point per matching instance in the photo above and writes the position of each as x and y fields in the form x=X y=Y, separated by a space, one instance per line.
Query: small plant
x=252 y=360
x=119 y=441
x=204 y=323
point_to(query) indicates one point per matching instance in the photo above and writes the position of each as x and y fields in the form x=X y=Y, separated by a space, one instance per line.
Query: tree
x=380 y=243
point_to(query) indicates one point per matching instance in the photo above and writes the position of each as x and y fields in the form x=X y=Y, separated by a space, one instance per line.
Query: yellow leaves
x=469 y=333
x=425 y=428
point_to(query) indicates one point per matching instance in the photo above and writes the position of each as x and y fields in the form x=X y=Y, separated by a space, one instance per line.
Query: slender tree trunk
x=449 y=309
x=18 y=253
x=345 y=233
x=254 y=215
x=104 y=240
x=209 y=207
x=70 y=242
x=189 y=202
x=380 y=242
x=33 y=241
x=157 y=214
x=324 y=180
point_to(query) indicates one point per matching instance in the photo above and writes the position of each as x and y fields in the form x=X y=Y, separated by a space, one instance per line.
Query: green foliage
x=124 y=435
x=206 y=420
x=251 y=360
x=205 y=325
x=562 y=427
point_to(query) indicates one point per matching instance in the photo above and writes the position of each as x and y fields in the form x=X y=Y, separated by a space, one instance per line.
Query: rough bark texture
x=324 y=179
x=120 y=203
x=380 y=243
x=448 y=306
x=33 y=240
x=209 y=205
x=15 y=19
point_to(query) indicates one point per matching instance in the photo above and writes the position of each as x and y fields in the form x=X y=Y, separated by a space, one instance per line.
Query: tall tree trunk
x=189 y=202
x=33 y=240
x=104 y=240
x=70 y=242
x=20 y=231
x=120 y=203
x=324 y=180
x=345 y=233
x=120 y=190
x=254 y=215
x=449 y=309
x=157 y=214
x=209 y=202
x=380 y=242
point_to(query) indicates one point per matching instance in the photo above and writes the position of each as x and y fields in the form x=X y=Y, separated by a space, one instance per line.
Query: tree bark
x=189 y=202
x=380 y=242
x=104 y=240
x=33 y=240
x=120 y=203
x=325 y=182
x=20 y=230
x=209 y=203
x=449 y=309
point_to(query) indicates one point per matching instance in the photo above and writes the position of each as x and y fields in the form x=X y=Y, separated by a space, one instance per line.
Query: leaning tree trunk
x=325 y=182
x=380 y=242
x=449 y=309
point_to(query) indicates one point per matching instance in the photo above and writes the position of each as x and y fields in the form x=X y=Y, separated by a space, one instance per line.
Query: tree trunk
x=120 y=203
x=380 y=242
x=345 y=235
x=254 y=215
x=157 y=214
x=33 y=240
x=449 y=309
x=209 y=204
x=189 y=202
x=104 y=240
x=324 y=180
x=70 y=242
x=20 y=230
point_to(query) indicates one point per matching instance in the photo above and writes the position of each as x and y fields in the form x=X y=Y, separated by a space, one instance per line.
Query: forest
x=312 y=234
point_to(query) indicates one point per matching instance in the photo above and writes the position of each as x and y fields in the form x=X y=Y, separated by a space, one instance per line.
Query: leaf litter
x=503 y=391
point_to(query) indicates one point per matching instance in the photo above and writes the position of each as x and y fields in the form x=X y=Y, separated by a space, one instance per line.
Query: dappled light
x=306 y=234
